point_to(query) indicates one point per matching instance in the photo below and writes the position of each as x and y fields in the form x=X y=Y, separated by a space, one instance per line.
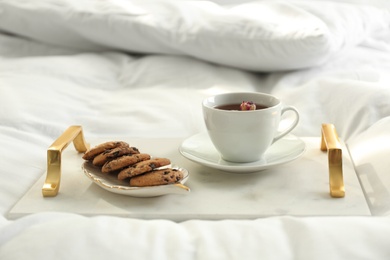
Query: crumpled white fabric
x=370 y=150
x=69 y=236
x=258 y=35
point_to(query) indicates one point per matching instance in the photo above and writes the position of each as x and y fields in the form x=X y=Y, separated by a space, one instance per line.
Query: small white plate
x=111 y=183
x=200 y=149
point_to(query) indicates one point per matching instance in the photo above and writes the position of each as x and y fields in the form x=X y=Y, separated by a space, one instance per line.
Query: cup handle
x=293 y=124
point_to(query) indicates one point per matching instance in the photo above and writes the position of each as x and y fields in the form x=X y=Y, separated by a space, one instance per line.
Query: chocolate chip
x=107 y=151
x=115 y=154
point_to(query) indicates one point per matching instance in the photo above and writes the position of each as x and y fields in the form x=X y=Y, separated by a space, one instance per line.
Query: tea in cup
x=242 y=126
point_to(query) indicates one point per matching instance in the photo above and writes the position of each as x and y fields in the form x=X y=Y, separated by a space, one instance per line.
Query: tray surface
x=298 y=188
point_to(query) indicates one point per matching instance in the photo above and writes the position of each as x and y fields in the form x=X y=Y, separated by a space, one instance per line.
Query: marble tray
x=298 y=188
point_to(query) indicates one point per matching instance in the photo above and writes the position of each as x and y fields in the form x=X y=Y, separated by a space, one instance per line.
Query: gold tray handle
x=52 y=183
x=330 y=142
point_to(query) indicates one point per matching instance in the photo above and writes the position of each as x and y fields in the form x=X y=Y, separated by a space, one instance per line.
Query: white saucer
x=199 y=148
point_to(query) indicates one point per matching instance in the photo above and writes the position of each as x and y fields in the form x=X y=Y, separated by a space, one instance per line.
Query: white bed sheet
x=47 y=84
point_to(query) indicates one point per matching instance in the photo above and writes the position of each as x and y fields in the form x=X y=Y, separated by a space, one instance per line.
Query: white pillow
x=259 y=36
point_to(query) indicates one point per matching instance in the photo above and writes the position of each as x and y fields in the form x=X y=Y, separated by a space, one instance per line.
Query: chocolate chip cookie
x=143 y=167
x=93 y=152
x=157 y=177
x=124 y=161
x=108 y=155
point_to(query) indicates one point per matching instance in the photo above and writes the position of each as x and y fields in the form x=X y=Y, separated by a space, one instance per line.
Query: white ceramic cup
x=244 y=136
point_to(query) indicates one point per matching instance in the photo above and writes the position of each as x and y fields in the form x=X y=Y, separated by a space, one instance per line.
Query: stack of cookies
x=117 y=157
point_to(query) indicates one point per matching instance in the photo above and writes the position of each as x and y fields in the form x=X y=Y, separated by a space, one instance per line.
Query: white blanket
x=141 y=69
